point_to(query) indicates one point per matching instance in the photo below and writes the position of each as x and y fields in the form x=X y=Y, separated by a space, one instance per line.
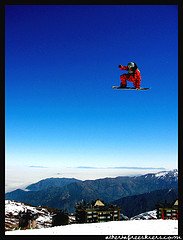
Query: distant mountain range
x=64 y=193
x=51 y=182
x=134 y=205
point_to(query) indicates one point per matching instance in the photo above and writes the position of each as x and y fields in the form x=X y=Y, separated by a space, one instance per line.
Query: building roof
x=98 y=203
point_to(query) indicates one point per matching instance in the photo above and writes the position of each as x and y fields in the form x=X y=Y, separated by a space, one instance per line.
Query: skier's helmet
x=131 y=64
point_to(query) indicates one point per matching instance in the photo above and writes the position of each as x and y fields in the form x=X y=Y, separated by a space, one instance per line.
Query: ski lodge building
x=167 y=211
x=96 y=212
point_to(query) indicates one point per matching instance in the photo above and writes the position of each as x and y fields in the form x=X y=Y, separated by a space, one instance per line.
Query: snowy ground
x=12 y=208
x=131 y=227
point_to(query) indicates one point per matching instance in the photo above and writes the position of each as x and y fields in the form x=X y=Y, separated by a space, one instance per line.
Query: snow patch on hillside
x=163 y=174
x=12 y=209
x=145 y=216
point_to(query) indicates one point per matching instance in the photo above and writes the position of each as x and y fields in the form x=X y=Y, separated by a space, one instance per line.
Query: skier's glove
x=120 y=66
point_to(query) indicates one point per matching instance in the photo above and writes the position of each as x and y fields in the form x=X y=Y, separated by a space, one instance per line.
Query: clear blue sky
x=61 y=62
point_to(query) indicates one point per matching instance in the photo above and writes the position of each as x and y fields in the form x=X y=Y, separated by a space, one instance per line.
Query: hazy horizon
x=15 y=180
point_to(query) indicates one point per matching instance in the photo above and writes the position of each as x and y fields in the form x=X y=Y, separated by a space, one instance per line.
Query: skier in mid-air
x=133 y=75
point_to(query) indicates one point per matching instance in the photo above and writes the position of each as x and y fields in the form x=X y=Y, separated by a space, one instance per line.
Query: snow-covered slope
x=146 y=216
x=164 y=174
x=12 y=209
x=131 y=227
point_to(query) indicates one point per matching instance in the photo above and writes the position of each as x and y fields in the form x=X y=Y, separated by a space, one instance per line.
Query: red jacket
x=134 y=77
